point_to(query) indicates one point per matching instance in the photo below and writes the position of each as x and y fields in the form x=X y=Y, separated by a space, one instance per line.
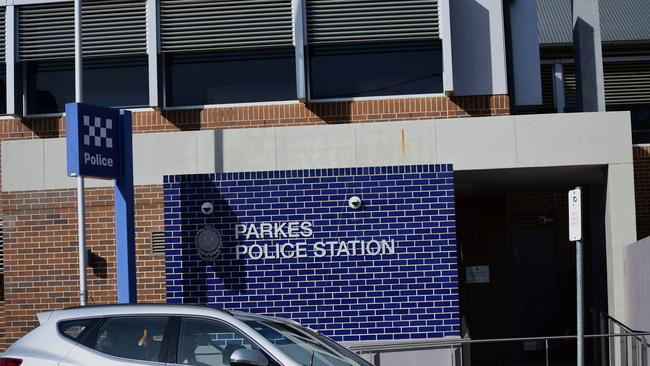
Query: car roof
x=139 y=309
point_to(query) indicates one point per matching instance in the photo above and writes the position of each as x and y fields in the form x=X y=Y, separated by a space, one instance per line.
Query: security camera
x=207 y=208
x=355 y=203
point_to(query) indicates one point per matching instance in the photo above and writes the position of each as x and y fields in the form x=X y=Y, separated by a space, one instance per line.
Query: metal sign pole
x=580 y=326
x=81 y=211
x=575 y=234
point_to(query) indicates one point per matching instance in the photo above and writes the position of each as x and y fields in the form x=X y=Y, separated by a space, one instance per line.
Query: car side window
x=136 y=338
x=73 y=329
x=208 y=343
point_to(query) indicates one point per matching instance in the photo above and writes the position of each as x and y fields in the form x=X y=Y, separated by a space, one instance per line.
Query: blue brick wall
x=408 y=290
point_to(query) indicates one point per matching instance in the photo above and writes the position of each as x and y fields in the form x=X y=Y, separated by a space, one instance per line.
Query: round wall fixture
x=208 y=243
x=355 y=202
x=207 y=208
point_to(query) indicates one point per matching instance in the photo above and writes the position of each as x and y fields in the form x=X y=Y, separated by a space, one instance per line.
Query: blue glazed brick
x=352 y=297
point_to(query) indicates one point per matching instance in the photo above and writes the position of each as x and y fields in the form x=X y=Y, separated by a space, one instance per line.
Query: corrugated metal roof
x=620 y=20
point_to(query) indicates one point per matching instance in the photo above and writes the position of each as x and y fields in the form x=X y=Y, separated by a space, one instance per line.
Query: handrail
x=614 y=320
x=459 y=341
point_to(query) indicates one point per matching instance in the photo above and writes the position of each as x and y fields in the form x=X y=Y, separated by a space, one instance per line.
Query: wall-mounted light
x=355 y=203
x=207 y=208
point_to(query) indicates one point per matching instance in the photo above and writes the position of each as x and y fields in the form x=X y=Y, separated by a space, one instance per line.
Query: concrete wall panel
x=22 y=165
x=316 y=146
x=246 y=150
x=395 y=143
x=573 y=139
x=477 y=143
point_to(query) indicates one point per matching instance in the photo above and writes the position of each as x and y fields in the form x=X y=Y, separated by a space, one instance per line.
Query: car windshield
x=304 y=346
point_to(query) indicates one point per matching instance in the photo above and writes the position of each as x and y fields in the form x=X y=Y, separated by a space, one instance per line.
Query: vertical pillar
x=124 y=217
x=445 y=35
x=10 y=57
x=299 y=42
x=590 y=83
x=153 y=46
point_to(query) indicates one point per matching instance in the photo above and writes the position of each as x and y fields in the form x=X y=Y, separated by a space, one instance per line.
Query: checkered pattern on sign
x=97 y=132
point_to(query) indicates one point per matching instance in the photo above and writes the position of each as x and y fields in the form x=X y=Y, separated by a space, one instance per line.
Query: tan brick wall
x=41 y=252
x=281 y=115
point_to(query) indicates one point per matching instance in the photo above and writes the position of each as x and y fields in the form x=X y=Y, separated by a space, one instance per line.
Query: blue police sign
x=93 y=139
x=100 y=145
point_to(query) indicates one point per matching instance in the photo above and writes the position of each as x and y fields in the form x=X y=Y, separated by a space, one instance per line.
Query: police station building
x=377 y=170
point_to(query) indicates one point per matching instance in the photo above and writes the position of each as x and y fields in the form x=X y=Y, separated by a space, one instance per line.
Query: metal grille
x=2 y=250
x=570 y=97
x=548 y=98
x=333 y=21
x=158 y=243
x=627 y=82
x=46 y=31
x=191 y=25
x=114 y=27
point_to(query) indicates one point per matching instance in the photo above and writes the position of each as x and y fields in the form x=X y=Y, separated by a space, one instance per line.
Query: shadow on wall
x=472 y=48
x=184 y=120
x=200 y=278
x=332 y=112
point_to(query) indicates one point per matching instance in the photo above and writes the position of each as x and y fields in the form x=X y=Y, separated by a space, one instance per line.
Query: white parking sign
x=575 y=214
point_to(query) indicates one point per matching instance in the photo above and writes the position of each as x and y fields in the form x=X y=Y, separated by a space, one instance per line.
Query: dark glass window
x=375 y=69
x=3 y=88
x=116 y=81
x=233 y=76
x=49 y=86
x=137 y=338
x=73 y=329
x=208 y=343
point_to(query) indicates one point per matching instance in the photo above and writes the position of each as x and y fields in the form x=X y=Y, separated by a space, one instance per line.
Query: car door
x=122 y=341
x=207 y=342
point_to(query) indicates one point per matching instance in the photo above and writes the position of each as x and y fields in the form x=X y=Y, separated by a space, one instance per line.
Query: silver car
x=120 y=335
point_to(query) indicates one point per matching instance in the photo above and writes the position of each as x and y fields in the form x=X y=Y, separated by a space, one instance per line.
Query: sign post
x=575 y=234
x=99 y=146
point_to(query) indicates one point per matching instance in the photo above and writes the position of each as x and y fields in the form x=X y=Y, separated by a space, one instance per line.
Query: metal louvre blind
x=191 y=25
x=3 y=31
x=114 y=27
x=548 y=98
x=333 y=21
x=627 y=82
x=46 y=31
x=570 y=97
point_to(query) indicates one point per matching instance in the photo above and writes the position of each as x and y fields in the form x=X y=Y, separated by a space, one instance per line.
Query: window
x=115 y=69
x=134 y=338
x=46 y=56
x=209 y=343
x=116 y=81
x=73 y=329
x=231 y=76
x=305 y=347
x=360 y=48
x=218 y=52
x=375 y=69
x=49 y=85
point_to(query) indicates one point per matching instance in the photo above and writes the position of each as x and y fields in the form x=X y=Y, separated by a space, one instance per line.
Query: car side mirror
x=248 y=357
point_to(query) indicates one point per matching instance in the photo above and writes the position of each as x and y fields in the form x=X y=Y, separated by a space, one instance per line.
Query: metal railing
x=632 y=348
x=637 y=358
